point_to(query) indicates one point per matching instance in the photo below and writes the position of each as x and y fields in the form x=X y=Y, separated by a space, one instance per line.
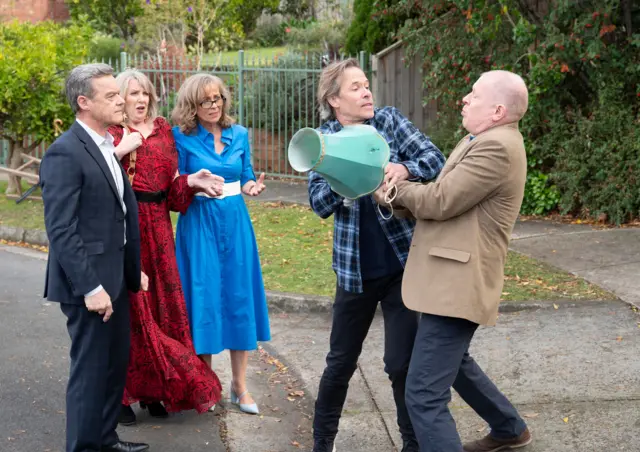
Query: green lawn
x=252 y=57
x=295 y=251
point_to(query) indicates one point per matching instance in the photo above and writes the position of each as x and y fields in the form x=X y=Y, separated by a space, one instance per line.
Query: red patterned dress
x=163 y=365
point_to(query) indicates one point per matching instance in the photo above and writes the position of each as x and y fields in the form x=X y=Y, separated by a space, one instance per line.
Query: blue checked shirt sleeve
x=323 y=200
x=415 y=150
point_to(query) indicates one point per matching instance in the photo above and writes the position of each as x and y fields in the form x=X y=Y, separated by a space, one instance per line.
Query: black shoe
x=122 y=446
x=156 y=409
x=323 y=445
x=410 y=445
x=126 y=416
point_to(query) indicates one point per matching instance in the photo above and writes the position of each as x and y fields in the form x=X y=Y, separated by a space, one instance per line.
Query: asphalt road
x=34 y=357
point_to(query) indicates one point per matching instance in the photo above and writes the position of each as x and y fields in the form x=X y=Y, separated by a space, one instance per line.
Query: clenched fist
x=130 y=142
x=100 y=303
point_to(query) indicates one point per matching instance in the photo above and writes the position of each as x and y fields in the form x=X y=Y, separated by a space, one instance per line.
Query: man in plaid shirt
x=369 y=260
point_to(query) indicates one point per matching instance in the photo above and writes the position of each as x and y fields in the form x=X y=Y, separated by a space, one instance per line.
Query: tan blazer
x=465 y=218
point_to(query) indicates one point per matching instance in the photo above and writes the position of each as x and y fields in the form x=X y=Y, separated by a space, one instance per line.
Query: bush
x=35 y=60
x=282 y=101
x=540 y=197
x=598 y=164
x=319 y=37
x=270 y=33
x=582 y=65
x=105 y=48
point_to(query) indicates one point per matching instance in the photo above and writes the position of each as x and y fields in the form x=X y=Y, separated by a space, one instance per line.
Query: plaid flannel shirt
x=409 y=147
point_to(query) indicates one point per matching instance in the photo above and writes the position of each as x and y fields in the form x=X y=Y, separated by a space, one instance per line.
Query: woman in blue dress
x=215 y=243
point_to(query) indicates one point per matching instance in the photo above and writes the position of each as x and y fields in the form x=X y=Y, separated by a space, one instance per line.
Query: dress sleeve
x=247 y=168
x=180 y=194
x=116 y=132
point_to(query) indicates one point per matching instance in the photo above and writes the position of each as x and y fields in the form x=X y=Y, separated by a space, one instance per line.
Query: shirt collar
x=335 y=126
x=226 y=138
x=97 y=138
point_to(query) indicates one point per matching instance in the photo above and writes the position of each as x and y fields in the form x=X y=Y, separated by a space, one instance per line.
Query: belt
x=229 y=189
x=151 y=196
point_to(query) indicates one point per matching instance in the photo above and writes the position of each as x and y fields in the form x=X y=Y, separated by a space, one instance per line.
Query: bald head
x=510 y=90
x=497 y=98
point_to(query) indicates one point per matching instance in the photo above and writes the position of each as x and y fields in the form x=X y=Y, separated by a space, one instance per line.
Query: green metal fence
x=272 y=97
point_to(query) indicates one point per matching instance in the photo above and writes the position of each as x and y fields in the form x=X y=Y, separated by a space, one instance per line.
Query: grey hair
x=329 y=85
x=79 y=82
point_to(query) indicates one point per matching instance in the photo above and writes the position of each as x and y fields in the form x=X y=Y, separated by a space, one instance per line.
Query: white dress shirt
x=107 y=148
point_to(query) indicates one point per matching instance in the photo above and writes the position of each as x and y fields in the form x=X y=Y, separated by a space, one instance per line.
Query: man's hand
x=100 y=303
x=129 y=143
x=254 y=188
x=144 y=281
x=394 y=173
x=378 y=195
x=206 y=182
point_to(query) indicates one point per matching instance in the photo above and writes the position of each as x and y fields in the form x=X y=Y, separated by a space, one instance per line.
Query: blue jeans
x=441 y=360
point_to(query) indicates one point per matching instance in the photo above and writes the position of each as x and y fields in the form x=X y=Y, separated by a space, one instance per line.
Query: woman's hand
x=207 y=182
x=129 y=143
x=254 y=188
x=144 y=281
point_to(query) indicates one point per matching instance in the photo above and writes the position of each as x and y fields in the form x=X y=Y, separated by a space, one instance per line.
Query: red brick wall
x=33 y=10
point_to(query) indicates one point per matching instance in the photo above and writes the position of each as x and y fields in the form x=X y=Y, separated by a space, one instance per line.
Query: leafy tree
x=297 y=9
x=247 y=12
x=162 y=21
x=105 y=15
x=34 y=62
x=374 y=25
x=581 y=61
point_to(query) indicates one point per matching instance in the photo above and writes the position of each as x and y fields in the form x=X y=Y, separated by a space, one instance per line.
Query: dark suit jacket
x=85 y=222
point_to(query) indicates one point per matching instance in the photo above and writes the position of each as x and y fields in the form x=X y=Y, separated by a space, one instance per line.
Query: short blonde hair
x=123 y=80
x=329 y=85
x=190 y=95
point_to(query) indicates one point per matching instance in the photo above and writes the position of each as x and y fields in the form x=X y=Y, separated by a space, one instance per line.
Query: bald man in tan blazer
x=455 y=270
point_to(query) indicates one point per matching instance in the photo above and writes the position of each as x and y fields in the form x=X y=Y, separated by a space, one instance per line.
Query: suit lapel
x=95 y=152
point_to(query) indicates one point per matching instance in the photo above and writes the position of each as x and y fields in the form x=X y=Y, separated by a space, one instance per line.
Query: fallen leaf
x=295 y=443
x=555 y=306
x=619 y=338
x=566 y=420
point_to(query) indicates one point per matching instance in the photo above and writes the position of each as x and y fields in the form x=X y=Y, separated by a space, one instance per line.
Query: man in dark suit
x=91 y=219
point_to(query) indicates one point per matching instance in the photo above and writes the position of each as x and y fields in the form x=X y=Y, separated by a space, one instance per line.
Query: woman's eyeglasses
x=209 y=103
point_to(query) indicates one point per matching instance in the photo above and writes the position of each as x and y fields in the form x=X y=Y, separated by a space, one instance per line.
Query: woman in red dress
x=165 y=374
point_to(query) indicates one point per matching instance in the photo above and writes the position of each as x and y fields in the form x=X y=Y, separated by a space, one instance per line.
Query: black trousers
x=441 y=360
x=99 y=358
x=352 y=317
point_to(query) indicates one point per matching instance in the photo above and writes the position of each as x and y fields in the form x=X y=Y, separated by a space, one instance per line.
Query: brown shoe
x=491 y=444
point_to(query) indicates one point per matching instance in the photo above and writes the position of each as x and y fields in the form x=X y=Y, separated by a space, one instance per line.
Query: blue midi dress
x=217 y=251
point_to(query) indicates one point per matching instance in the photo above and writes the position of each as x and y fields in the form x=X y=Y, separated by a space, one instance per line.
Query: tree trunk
x=628 y=24
x=15 y=161
x=200 y=49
